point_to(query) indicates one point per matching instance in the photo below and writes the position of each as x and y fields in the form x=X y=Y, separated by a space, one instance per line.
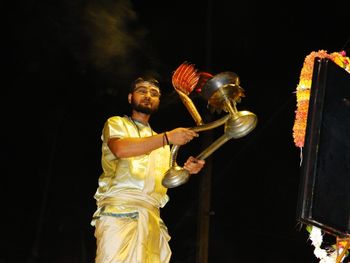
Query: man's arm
x=129 y=147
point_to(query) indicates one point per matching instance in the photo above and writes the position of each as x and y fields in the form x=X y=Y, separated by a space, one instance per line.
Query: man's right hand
x=181 y=136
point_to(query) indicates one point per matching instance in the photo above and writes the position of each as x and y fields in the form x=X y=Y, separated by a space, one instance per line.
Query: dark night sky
x=68 y=67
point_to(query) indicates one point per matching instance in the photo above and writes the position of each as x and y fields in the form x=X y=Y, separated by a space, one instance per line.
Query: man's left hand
x=194 y=165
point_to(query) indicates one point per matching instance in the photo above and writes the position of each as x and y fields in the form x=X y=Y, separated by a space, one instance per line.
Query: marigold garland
x=304 y=86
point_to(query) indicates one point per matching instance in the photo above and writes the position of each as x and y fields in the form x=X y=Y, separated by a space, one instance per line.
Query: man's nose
x=147 y=94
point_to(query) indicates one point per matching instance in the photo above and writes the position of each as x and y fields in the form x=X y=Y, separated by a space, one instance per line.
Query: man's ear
x=129 y=98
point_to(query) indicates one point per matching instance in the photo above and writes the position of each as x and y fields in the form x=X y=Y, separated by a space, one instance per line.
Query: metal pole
x=204 y=210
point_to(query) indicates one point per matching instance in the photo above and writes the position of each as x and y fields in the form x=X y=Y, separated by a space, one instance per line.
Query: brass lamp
x=222 y=92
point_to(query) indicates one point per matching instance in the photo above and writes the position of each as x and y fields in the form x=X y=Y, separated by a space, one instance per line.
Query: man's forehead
x=146 y=84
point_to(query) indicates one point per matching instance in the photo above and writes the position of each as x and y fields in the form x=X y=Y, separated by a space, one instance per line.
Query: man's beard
x=143 y=109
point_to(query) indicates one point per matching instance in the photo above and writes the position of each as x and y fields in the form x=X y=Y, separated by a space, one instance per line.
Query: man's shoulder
x=117 y=118
x=115 y=125
x=118 y=121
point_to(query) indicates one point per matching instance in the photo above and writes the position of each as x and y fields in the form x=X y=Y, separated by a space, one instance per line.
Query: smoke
x=115 y=34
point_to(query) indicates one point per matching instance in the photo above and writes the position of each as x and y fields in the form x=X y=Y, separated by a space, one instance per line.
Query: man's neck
x=140 y=117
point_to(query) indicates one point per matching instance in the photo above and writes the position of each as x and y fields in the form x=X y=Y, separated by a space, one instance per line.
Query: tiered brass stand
x=222 y=92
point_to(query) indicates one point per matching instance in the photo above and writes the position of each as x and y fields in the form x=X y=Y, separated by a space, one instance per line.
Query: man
x=128 y=227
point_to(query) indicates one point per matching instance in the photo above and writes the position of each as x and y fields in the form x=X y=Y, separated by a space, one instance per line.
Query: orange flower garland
x=304 y=86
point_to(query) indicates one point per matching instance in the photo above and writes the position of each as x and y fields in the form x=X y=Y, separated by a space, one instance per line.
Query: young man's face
x=145 y=97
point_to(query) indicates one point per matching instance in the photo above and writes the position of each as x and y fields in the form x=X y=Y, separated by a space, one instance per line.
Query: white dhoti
x=136 y=237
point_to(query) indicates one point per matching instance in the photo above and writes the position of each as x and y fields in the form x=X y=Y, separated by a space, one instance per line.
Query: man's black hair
x=151 y=80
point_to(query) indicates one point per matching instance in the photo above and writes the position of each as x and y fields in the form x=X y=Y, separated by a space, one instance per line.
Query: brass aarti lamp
x=222 y=92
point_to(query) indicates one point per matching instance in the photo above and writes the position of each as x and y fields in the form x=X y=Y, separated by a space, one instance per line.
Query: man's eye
x=142 y=91
x=154 y=93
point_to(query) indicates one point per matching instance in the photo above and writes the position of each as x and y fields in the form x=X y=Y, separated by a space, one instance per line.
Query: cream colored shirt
x=140 y=174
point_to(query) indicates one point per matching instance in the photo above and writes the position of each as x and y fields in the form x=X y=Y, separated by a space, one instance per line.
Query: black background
x=67 y=67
